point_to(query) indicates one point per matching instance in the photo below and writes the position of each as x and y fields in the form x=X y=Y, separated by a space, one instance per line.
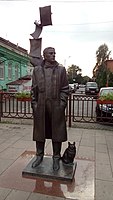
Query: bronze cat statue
x=69 y=154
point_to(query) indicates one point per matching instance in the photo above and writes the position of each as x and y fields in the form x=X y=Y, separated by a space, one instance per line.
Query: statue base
x=45 y=170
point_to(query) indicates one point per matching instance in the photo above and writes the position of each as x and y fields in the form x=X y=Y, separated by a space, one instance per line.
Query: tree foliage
x=101 y=77
x=102 y=54
x=75 y=75
x=73 y=71
x=100 y=71
x=110 y=79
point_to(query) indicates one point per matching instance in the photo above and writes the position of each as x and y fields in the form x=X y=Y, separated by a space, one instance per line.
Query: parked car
x=72 y=88
x=91 y=88
x=81 y=85
x=104 y=112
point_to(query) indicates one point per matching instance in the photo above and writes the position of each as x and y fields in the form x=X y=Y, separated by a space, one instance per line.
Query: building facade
x=109 y=65
x=22 y=84
x=14 y=62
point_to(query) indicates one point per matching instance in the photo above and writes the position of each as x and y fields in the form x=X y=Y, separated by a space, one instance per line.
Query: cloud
x=79 y=28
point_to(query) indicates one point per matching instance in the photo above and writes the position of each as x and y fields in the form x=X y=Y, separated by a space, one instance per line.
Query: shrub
x=108 y=96
x=23 y=94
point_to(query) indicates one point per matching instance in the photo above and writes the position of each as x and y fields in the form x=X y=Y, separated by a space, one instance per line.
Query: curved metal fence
x=12 y=107
x=81 y=108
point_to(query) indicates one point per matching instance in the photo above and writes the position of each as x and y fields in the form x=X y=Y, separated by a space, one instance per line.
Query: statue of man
x=50 y=90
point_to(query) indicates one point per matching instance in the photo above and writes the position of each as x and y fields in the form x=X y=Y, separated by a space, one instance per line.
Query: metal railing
x=81 y=108
x=11 y=107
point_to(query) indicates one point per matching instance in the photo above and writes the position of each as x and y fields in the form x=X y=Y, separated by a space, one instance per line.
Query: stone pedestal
x=45 y=170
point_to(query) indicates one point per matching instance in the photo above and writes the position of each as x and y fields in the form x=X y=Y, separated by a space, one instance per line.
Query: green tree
x=73 y=71
x=86 y=79
x=110 y=79
x=101 y=78
x=102 y=54
x=100 y=71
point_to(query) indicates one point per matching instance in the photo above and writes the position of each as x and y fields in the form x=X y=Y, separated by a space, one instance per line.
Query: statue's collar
x=49 y=65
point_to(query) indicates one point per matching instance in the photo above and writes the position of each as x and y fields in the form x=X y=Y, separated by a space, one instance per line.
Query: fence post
x=70 y=110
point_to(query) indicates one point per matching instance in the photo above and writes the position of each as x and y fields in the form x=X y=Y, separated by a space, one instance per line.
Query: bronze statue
x=50 y=90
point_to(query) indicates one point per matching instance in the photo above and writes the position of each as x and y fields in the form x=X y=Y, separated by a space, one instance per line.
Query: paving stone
x=74 y=137
x=109 y=137
x=37 y=196
x=4 y=146
x=4 y=164
x=109 y=133
x=88 y=134
x=101 y=139
x=13 y=139
x=11 y=153
x=27 y=137
x=104 y=190
x=5 y=136
x=102 y=148
x=85 y=135
x=111 y=161
x=23 y=144
x=89 y=142
x=4 y=193
x=86 y=152
x=82 y=186
x=104 y=172
x=77 y=131
x=110 y=153
x=110 y=144
x=102 y=158
x=2 y=140
x=18 y=195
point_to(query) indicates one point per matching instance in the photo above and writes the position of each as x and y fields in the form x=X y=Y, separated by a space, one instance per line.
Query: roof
x=27 y=77
x=21 y=80
x=111 y=60
x=106 y=88
x=18 y=82
x=10 y=44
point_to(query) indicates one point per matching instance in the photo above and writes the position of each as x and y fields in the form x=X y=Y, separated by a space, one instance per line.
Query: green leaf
x=23 y=95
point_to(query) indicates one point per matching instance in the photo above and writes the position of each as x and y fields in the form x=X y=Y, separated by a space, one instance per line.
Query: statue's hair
x=46 y=49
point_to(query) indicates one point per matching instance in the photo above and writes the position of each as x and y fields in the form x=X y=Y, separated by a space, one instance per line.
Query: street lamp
x=65 y=61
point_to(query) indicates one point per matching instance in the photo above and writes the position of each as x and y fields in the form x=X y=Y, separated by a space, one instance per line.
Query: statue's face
x=50 y=55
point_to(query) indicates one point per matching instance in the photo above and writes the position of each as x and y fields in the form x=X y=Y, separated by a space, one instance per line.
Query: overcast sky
x=79 y=28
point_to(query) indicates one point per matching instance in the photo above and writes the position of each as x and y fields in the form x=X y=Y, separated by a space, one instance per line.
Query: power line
x=82 y=32
x=101 y=1
x=88 y=23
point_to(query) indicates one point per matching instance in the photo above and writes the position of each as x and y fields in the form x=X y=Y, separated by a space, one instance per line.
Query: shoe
x=56 y=164
x=37 y=161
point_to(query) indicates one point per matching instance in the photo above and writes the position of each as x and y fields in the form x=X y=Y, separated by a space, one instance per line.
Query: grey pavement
x=93 y=144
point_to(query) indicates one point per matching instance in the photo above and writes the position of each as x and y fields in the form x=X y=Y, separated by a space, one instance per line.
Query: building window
x=2 y=69
x=16 y=71
x=10 y=71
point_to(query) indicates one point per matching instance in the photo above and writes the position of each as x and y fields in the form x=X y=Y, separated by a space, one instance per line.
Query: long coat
x=60 y=91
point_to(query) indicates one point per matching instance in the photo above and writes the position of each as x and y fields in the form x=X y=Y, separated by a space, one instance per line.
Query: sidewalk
x=94 y=173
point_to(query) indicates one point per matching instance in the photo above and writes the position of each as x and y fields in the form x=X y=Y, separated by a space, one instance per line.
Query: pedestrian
x=50 y=90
